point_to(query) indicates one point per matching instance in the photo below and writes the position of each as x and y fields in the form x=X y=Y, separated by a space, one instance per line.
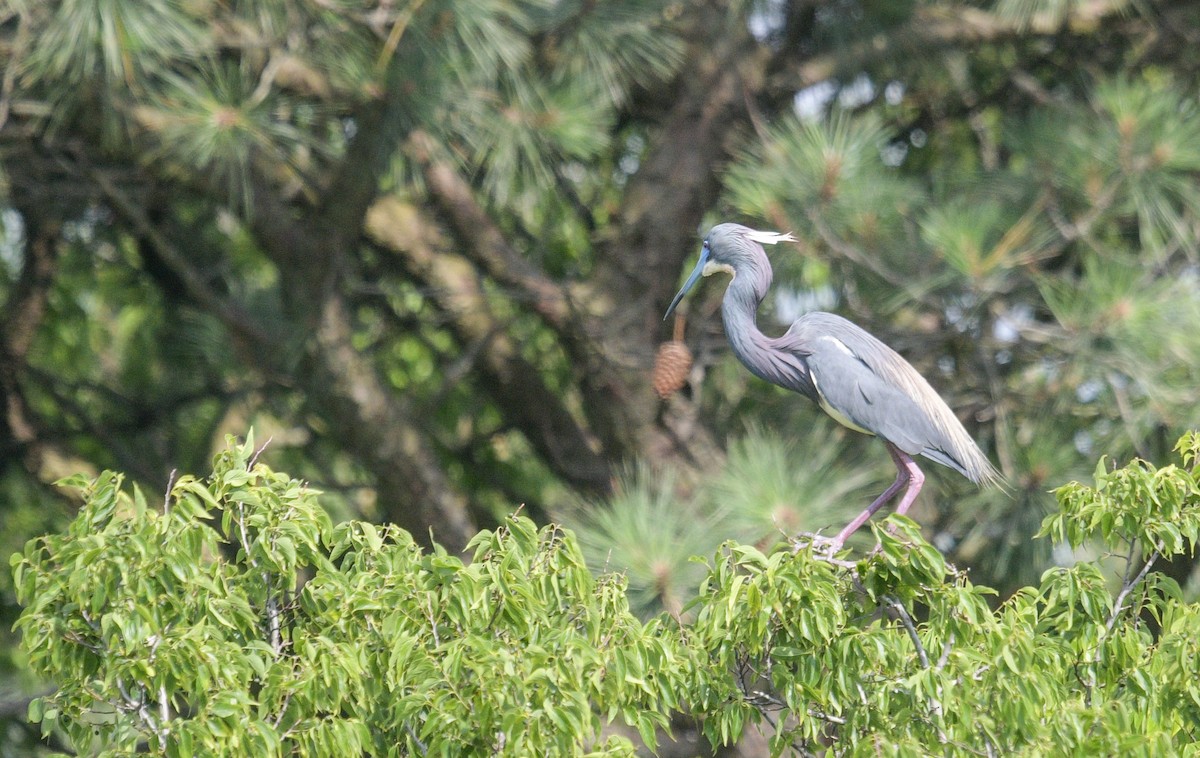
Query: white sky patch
x=893 y=154
x=791 y=304
x=766 y=20
x=893 y=93
x=1089 y=391
x=12 y=240
x=810 y=103
x=1008 y=326
x=857 y=93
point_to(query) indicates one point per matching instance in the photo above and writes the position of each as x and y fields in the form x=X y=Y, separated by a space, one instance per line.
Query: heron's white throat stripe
x=711 y=268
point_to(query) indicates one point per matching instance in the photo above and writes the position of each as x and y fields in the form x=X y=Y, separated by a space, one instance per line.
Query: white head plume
x=769 y=238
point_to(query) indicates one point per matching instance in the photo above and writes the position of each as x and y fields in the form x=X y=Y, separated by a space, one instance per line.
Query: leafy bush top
x=238 y=619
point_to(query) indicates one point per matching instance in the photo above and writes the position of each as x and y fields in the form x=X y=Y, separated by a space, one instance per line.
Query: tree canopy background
x=425 y=247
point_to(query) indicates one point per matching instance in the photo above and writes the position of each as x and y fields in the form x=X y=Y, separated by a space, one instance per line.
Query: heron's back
x=873 y=386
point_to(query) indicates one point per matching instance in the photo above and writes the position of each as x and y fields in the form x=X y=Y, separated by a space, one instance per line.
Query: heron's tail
x=971 y=463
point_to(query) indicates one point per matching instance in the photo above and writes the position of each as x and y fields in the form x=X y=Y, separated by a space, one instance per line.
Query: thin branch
x=399 y=26
x=421 y=746
x=13 y=64
x=485 y=242
x=432 y=622
x=828 y=718
x=869 y=262
x=139 y=705
x=254 y=458
x=905 y=619
x=1080 y=228
x=563 y=441
x=23 y=312
x=236 y=319
x=164 y=706
x=944 y=658
x=167 y=495
x=1129 y=586
x=287 y=698
x=940 y=25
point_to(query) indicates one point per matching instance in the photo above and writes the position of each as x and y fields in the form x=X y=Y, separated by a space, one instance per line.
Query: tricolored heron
x=859 y=381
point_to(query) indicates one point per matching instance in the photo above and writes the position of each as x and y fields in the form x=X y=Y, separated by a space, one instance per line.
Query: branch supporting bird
x=858 y=380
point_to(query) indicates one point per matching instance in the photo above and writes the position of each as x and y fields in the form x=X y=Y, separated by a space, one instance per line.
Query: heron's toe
x=825 y=547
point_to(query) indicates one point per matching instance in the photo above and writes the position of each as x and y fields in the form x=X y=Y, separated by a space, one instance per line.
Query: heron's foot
x=825 y=547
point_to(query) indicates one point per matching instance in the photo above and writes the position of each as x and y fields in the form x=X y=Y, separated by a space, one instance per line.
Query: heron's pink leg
x=916 y=479
x=906 y=473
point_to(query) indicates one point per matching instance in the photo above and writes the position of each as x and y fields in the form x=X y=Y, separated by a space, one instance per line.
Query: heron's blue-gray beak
x=691 y=280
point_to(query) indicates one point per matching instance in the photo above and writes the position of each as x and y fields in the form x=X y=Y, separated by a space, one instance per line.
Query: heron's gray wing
x=849 y=389
x=872 y=386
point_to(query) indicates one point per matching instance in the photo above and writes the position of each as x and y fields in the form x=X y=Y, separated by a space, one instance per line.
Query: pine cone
x=671 y=367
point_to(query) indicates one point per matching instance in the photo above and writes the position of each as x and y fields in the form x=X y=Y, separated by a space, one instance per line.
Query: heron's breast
x=834 y=413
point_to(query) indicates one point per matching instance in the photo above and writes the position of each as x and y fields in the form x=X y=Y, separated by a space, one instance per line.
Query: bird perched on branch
x=859 y=381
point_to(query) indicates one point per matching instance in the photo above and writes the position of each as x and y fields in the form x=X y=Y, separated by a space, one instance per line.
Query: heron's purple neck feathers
x=754 y=349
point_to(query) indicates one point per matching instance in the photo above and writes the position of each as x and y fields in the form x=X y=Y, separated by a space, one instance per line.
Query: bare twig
x=167 y=496
x=944 y=658
x=287 y=698
x=139 y=706
x=254 y=458
x=399 y=26
x=485 y=242
x=822 y=716
x=1129 y=586
x=1081 y=228
x=266 y=80
x=416 y=740
x=164 y=704
x=854 y=255
x=905 y=619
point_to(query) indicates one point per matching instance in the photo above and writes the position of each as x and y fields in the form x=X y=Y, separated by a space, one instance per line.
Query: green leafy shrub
x=239 y=620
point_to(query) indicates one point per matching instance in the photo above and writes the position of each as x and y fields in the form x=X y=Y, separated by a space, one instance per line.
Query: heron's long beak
x=691 y=280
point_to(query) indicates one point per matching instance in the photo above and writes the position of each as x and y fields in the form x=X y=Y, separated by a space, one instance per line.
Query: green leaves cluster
x=1138 y=504
x=238 y=619
x=902 y=654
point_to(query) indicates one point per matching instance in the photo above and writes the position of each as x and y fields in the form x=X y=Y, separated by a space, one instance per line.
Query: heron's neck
x=738 y=310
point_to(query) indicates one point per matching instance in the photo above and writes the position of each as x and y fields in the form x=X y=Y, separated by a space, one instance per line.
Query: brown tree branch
x=371 y=422
x=22 y=315
x=934 y=26
x=678 y=178
x=486 y=244
x=516 y=385
x=656 y=228
x=252 y=337
x=576 y=317
x=365 y=416
x=379 y=133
